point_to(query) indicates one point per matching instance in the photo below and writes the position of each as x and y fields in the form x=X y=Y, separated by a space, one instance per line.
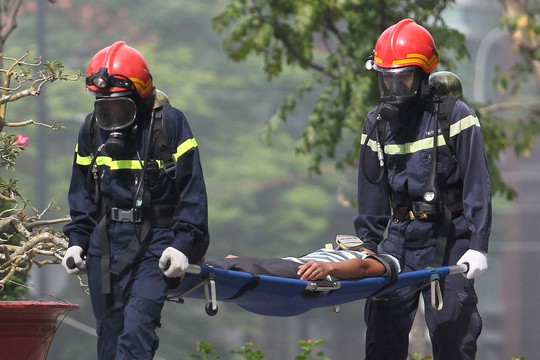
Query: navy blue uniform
x=408 y=158
x=128 y=316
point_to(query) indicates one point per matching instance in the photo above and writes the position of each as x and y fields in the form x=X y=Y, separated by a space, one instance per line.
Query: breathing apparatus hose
x=138 y=199
x=431 y=192
x=92 y=175
x=380 y=152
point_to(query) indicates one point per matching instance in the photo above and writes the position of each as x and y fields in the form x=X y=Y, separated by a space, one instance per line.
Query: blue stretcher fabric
x=277 y=296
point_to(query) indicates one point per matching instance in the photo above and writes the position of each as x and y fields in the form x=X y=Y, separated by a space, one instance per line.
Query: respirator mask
x=400 y=87
x=116 y=115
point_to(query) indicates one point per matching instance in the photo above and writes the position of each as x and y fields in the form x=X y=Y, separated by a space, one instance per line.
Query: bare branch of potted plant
x=26 y=240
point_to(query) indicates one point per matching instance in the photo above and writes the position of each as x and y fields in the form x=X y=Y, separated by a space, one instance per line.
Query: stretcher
x=281 y=297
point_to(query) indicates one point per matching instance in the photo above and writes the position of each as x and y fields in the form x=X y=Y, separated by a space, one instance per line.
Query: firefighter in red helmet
x=424 y=196
x=137 y=202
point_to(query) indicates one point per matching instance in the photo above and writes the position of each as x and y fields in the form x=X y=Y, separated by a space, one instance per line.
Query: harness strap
x=445 y=119
x=252 y=284
x=105 y=249
x=161 y=141
x=137 y=241
x=443 y=232
x=437 y=301
x=134 y=245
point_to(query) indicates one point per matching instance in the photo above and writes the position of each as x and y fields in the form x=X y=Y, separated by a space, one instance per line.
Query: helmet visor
x=400 y=84
x=114 y=114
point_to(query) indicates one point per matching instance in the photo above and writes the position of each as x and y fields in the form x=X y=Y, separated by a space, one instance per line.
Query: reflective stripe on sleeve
x=423 y=144
x=130 y=164
x=185 y=147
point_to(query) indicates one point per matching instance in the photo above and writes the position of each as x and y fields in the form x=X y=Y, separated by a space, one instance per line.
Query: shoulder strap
x=161 y=140
x=445 y=119
x=90 y=129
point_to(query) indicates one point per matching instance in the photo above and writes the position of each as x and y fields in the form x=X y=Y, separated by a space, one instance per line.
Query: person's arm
x=348 y=269
x=83 y=210
x=473 y=166
x=191 y=213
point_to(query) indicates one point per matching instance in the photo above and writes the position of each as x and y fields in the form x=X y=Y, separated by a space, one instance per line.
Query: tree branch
x=8 y=14
x=506 y=106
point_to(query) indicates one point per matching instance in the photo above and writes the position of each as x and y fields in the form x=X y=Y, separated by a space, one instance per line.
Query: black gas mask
x=116 y=115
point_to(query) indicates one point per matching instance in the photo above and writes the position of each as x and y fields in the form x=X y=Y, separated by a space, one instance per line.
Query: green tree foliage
x=331 y=40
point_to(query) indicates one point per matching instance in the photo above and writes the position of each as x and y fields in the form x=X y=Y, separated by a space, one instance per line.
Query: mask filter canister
x=115 y=144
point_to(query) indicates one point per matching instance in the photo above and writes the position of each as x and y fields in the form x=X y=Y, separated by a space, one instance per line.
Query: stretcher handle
x=459 y=269
x=193 y=269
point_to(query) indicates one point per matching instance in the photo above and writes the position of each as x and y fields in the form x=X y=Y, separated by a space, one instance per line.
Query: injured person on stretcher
x=347 y=261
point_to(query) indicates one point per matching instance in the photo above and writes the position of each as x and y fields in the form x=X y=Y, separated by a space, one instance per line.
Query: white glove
x=173 y=263
x=73 y=260
x=477 y=261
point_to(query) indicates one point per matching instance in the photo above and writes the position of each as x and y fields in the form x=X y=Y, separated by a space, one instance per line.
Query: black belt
x=160 y=215
x=129 y=215
x=404 y=213
x=416 y=211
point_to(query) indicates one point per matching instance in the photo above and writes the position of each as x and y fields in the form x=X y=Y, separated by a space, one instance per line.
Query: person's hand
x=477 y=261
x=173 y=263
x=74 y=261
x=313 y=270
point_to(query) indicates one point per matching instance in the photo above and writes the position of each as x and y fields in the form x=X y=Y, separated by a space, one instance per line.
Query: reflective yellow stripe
x=463 y=124
x=371 y=143
x=130 y=164
x=412 y=147
x=423 y=144
x=184 y=147
x=119 y=164
x=82 y=160
x=107 y=161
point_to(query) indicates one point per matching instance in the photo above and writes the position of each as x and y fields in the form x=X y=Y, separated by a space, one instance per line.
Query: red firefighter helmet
x=118 y=70
x=405 y=44
x=404 y=56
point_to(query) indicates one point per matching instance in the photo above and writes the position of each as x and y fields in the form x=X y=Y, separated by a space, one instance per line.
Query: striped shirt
x=329 y=255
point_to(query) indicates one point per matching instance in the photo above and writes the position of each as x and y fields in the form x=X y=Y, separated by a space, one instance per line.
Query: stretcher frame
x=282 y=297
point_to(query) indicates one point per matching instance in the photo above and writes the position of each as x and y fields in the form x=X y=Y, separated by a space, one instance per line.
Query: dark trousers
x=453 y=330
x=127 y=318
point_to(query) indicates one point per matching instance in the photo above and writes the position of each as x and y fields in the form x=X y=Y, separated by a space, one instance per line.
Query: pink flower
x=21 y=141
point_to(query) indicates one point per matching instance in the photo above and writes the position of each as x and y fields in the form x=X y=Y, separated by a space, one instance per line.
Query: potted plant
x=27 y=327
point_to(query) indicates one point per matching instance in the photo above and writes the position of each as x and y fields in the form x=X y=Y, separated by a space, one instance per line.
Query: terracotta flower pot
x=27 y=327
